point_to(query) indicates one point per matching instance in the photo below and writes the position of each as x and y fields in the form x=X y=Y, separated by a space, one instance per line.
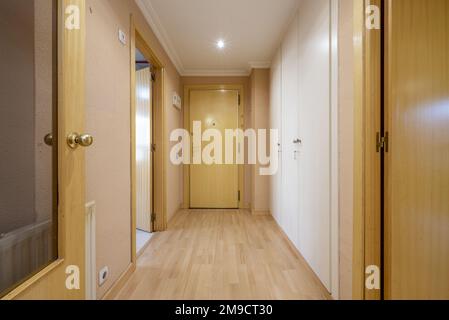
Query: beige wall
x=260 y=114
x=245 y=82
x=346 y=117
x=108 y=120
x=174 y=121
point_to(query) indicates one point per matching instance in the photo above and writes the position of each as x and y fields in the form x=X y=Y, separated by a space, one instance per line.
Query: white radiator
x=24 y=251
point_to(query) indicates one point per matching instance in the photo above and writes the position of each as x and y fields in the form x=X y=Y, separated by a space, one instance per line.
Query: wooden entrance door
x=214 y=186
x=417 y=162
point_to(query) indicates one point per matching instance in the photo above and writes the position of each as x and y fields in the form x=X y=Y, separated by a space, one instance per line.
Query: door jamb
x=367 y=239
x=186 y=117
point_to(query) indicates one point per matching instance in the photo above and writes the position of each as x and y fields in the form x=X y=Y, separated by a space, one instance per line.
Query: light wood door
x=216 y=185
x=417 y=164
x=143 y=150
x=50 y=283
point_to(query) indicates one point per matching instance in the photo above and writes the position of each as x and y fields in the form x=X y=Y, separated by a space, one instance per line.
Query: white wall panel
x=314 y=119
x=290 y=132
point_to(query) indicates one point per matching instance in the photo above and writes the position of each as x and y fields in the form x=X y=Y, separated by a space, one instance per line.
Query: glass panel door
x=28 y=146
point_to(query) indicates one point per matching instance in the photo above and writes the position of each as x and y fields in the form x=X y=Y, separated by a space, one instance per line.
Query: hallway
x=224 y=150
x=225 y=255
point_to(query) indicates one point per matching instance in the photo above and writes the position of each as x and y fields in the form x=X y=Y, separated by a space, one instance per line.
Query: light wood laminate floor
x=221 y=255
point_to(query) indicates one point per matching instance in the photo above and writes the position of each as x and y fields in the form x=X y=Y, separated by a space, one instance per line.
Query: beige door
x=216 y=185
x=52 y=276
x=417 y=163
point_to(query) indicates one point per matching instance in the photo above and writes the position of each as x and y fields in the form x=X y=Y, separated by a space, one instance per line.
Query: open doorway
x=144 y=78
x=148 y=203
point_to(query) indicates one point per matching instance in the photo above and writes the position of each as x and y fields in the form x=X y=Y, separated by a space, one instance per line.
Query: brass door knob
x=48 y=139
x=74 y=140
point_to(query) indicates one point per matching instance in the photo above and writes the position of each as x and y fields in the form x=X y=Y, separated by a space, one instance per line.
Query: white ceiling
x=189 y=30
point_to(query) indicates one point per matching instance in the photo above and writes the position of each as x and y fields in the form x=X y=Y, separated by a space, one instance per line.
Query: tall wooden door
x=214 y=186
x=417 y=162
x=59 y=35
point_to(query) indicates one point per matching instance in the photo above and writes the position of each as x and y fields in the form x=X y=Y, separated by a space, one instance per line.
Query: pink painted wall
x=260 y=114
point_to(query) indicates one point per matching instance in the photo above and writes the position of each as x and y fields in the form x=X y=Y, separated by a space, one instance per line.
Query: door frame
x=367 y=214
x=50 y=282
x=158 y=129
x=186 y=117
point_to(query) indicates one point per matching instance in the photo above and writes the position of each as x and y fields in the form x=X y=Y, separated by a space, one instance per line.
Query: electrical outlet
x=103 y=276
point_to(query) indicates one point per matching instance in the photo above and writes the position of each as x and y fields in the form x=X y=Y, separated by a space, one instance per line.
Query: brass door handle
x=74 y=140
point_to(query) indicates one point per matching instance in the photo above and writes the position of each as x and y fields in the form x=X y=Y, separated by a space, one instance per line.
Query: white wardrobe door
x=290 y=133
x=276 y=123
x=314 y=118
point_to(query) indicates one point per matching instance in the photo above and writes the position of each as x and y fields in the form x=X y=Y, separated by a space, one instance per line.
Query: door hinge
x=153 y=147
x=240 y=99
x=153 y=77
x=153 y=217
x=238 y=195
x=382 y=142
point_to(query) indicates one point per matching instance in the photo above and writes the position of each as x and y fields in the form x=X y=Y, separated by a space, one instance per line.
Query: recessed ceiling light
x=221 y=44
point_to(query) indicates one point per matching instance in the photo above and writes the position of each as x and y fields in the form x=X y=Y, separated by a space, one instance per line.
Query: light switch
x=122 y=37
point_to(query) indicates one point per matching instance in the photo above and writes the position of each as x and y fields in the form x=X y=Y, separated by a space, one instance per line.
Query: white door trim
x=334 y=201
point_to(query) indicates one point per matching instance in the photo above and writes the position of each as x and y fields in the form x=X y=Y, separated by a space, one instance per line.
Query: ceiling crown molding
x=260 y=64
x=216 y=73
x=156 y=25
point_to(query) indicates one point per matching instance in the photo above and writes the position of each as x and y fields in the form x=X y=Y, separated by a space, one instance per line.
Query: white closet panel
x=314 y=123
x=290 y=133
x=276 y=123
x=301 y=107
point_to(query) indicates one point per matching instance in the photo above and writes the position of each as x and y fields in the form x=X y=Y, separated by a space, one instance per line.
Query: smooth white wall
x=302 y=106
x=276 y=123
